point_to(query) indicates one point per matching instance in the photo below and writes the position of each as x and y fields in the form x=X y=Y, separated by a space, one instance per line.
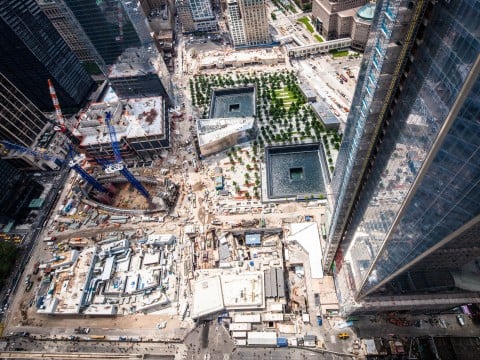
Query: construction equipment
x=74 y=161
x=343 y=336
x=60 y=123
x=119 y=166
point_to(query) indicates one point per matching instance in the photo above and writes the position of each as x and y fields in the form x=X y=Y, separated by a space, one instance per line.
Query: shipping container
x=282 y=342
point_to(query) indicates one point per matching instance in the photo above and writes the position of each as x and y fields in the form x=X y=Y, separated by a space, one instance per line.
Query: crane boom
x=73 y=163
x=136 y=184
x=60 y=123
x=56 y=105
x=37 y=153
x=113 y=138
x=119 y=165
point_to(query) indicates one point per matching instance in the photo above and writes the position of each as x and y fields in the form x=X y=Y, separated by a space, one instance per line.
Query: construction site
x=165 y=222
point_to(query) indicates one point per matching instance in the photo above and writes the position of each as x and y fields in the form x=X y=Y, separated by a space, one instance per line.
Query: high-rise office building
x=20 y=120
x=107 y=25
x=70 y=30
x=248 y=22
x=33 y=52
x=18 y=190
x=196 y=15
x=406 y=187
x=22 y=123
x=235 y=23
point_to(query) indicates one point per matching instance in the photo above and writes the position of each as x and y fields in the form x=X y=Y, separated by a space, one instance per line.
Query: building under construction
x=141 y=126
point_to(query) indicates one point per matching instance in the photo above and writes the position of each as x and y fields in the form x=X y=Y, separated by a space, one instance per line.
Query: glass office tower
x=33 y=52
x=18 y=190
x=108 y=26
x=406 y=213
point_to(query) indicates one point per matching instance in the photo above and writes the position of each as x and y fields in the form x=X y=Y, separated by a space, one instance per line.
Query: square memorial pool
x=294 y=170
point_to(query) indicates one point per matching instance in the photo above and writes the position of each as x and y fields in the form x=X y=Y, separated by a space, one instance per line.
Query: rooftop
x=207 y=296
x=306 y=234
x=367 y=11
x=133 y=62
x=141 y=118
x=210 y=130
x=244 y=291
x=323 y=111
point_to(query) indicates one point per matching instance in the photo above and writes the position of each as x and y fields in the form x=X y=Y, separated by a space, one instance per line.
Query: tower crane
x=60 y=123
x=74 y=161
x=118 y=165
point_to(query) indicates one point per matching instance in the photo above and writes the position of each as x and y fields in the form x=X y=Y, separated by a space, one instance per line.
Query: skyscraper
x=22 y=123
x=235 y=23
x=406 y=212
x=71 y=31
x=107 y=25
x=33 y=52
x=196 y=15
x=248 y=22
x=20 y=120
x=18 y=190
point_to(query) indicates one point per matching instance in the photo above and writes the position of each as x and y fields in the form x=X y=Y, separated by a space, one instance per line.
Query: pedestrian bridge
x=326 y=46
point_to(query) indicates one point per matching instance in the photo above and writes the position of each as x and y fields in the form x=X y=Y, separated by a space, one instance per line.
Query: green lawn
x=339 y=53
x=305 y=21
x=318 y=37
x=286 y=96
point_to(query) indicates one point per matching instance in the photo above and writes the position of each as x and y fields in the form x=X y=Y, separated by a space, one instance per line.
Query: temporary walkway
x=322 y=47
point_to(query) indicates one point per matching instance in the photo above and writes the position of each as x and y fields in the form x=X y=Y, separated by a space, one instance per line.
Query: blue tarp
x=253 y=240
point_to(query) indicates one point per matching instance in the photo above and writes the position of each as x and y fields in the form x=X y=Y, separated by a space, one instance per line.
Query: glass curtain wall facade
x=20 y=121
x=107 y=25
x=407 y=189
x=33 y=52
x=17 y=192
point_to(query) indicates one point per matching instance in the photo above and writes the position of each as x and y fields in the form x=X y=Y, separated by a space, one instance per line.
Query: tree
x=8 y=253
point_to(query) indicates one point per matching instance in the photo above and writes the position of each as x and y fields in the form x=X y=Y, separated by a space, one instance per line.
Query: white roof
x=262 y=338
x=306 y=234
x=246 y=318
x=272 y=317
x=243 y=291
x=239 y=334
x=240 y=326
x=210 y=130
x=207 y=296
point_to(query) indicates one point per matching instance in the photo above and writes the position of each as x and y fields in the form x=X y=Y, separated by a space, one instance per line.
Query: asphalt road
x=67 y=346
x=282 y=354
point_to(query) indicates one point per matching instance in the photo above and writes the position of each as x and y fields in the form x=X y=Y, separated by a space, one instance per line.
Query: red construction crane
x=60 y=123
